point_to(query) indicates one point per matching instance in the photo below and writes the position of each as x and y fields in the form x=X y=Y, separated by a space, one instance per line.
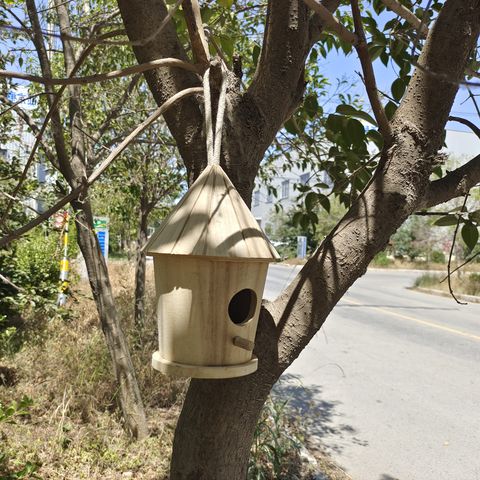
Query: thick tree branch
x=454 y=184
x=369 y=76
x=398 y=187
x=141 y=19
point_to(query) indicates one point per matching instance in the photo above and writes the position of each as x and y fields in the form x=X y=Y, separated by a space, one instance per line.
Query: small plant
x=15 y=409
x=437 y=256
x=275 y=452
x=381 y=260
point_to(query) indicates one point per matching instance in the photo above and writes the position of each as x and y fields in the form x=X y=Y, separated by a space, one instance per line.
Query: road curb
x=441 y=293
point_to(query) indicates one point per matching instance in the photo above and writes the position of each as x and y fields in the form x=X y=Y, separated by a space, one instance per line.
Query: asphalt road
x=391 y=384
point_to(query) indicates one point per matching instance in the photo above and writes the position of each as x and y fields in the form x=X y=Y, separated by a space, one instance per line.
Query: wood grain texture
x=194 y=323
x=212 y=220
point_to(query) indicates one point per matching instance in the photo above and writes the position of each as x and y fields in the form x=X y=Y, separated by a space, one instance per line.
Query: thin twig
x=369 y=75
x=103 y=166
x=6 y=280
x=101 y=77
x=449 y=264
x=468 y=123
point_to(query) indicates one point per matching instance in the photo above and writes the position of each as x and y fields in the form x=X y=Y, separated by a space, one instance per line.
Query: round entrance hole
x=242 y=306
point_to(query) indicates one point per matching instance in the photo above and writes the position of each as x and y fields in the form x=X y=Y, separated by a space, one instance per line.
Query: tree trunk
x=141 y=266
x=129 y=396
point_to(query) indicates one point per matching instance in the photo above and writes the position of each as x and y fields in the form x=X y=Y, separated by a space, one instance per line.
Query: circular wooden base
x=199 y=371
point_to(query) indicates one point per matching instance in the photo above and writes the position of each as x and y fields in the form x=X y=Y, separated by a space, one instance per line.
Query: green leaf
x=226 y=3
x=353 y=112
x=290 y=126
x=376 y=138
x=390 y=109
x=398 y=89
x=376 y=51
x=296 y=218
x=310 y=200
x=324 y=202
x=311 y=105
x=355 y=131
x=335 y=123
x=470 y=235
x=446 y=221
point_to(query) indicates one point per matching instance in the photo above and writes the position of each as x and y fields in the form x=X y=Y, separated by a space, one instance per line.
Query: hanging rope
x=214 y=144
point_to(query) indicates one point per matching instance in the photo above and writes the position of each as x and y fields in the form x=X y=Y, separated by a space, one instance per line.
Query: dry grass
x=74 y=430
x=462 y=283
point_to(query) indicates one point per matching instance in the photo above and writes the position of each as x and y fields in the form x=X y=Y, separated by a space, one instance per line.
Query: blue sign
x=101 y=229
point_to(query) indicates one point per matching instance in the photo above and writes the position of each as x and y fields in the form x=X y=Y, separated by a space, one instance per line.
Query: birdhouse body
x=210 y=261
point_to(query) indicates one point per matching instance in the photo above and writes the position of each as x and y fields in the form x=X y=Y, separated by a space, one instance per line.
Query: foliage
x=276 y=444
x=462 y=282
x=32 y=265
x=381 y=260
x=10 y=413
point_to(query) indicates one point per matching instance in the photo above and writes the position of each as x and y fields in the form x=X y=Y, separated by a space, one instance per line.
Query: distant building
x=22 y=143
x=264 y=201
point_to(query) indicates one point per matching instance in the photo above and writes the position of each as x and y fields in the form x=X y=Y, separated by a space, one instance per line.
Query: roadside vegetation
x=59 y=411
x=465 y=283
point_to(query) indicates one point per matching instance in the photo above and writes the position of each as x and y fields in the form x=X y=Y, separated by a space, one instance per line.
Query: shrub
x=277 y=442
x=437 y=256
x=381 y=260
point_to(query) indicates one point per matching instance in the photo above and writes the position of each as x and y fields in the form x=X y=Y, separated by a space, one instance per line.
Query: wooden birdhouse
x=210 y=261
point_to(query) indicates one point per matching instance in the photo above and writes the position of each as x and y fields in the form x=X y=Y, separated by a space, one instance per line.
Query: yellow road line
x=417 y=320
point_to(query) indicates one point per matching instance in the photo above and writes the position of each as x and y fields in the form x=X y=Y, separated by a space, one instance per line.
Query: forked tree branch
x=101 y=77
x=369 y=75
x=454 y=184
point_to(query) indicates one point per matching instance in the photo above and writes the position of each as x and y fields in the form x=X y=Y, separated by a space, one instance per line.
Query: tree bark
x=129 y=396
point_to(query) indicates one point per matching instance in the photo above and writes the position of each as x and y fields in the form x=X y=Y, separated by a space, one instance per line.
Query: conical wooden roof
x=212 y=220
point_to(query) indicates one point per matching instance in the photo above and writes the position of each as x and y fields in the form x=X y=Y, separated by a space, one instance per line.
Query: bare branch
x=369 y=75
x=101 y=77
x=6 y=280
x=191 y=10
x=468 y=123
x=454 y=184
x=116 y=110
x=96 y=174
x=331 y=22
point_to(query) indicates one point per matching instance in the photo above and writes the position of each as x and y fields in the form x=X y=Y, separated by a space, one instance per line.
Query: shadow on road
x=319 y=416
